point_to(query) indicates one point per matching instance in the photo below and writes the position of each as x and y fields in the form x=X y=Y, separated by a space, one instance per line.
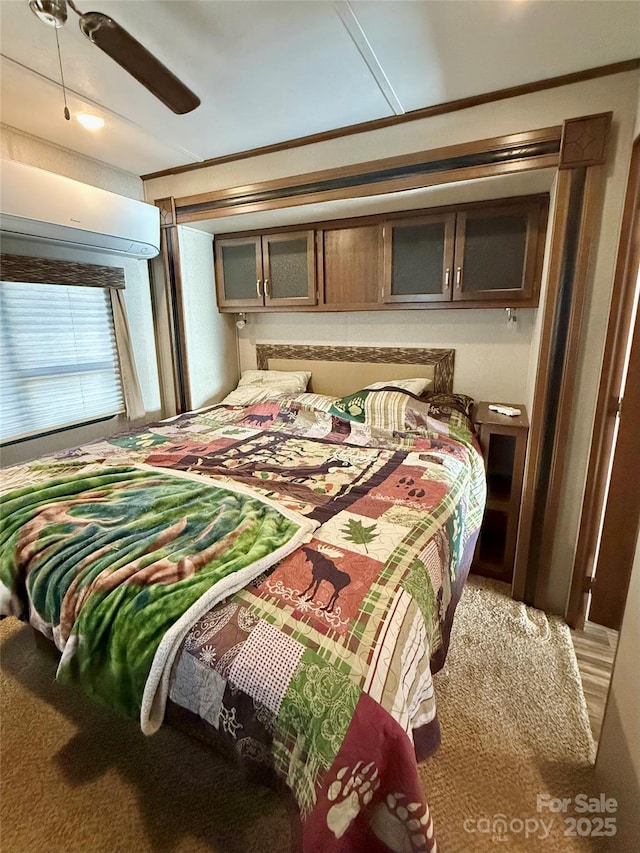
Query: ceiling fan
x=116 y=42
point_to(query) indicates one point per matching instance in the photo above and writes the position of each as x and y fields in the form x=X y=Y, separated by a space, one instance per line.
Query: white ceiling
x=271 y=71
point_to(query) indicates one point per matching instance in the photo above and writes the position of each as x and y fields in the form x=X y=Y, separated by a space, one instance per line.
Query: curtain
x=130 y=383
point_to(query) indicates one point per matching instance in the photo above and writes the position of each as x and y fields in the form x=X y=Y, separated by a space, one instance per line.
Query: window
x=58 y=359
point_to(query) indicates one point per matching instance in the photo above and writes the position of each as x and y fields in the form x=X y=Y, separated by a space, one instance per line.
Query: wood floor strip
x=595 y=648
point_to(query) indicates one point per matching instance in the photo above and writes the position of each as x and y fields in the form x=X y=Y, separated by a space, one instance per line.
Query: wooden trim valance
x=482 y=158
x=48 y=271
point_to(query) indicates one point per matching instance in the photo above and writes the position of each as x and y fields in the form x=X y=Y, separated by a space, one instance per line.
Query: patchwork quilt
x=340 y=542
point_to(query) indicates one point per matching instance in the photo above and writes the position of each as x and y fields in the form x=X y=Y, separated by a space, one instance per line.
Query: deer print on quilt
x=321 y=670
x=318 y=672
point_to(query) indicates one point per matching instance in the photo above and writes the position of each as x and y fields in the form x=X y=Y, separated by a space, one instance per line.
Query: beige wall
x=507 y=361
x=36 y=152
x=210 y=336
x=483 y=341
x=16 y=145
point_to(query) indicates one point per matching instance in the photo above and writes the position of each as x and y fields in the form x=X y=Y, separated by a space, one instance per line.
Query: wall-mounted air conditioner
x=47 y=206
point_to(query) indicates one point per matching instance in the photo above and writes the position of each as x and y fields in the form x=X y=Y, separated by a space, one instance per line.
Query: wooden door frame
x=618 y=330
x=579 y=195
x=621 y=519
x=170 y=252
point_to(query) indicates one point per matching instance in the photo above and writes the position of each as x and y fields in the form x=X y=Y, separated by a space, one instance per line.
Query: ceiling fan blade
x=116 y=42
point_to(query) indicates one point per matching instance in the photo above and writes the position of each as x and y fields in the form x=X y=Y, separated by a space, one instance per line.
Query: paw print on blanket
x=349 y=793
x=407 y=483
x=405 y=827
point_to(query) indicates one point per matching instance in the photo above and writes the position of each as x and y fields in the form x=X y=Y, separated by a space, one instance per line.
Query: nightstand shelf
x=498 y=491
x=504 y=443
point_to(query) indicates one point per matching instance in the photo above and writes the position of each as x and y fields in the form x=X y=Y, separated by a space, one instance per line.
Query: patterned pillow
x=400 y=411
x=415 y=386
x=379 y=408
x=442 y=402
x=310 y=400
x=299 y=378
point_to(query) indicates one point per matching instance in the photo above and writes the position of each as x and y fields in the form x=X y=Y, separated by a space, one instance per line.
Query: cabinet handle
x=266 y=287
x=447 y=278
x=258 y=289
x=458 y=277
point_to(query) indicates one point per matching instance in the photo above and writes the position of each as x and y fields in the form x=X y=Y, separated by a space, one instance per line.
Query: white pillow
x=298 y=378
x=414 y=386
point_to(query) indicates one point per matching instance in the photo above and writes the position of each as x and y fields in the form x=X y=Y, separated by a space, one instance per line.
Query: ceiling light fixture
x=90 y=121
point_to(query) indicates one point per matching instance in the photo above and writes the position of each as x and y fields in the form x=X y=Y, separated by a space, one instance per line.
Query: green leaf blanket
x=119 y=563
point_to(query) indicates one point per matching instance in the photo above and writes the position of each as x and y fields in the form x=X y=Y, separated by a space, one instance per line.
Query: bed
x=278 y=579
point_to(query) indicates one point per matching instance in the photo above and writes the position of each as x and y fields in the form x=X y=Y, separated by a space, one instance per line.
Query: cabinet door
x=496 y=253
x=352 y=265
x=239 y=272
x=289 y=265
x=418 y=259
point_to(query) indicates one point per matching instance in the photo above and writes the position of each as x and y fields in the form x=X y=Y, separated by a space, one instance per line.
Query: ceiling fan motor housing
x=51 y=12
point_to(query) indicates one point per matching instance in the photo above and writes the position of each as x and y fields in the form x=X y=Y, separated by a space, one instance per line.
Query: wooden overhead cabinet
x=418 y=258
x=266 y=271
x=350 y=260
x=485 y=254
x=488 y=253
x=496 y=252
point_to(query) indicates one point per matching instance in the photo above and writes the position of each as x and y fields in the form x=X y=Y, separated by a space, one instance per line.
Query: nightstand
x=504 y=444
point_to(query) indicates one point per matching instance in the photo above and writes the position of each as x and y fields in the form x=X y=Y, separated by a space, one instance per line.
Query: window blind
x=58 y=358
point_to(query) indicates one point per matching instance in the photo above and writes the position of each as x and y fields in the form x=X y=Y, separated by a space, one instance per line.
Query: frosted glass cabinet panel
x=239 y=271
x=418 y=259
x=495 y=254
x=480 y=253
x=289 y=268
x=261 y=271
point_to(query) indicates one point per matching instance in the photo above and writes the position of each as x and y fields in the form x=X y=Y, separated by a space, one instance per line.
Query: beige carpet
x=77 y=779
x=514 y=725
